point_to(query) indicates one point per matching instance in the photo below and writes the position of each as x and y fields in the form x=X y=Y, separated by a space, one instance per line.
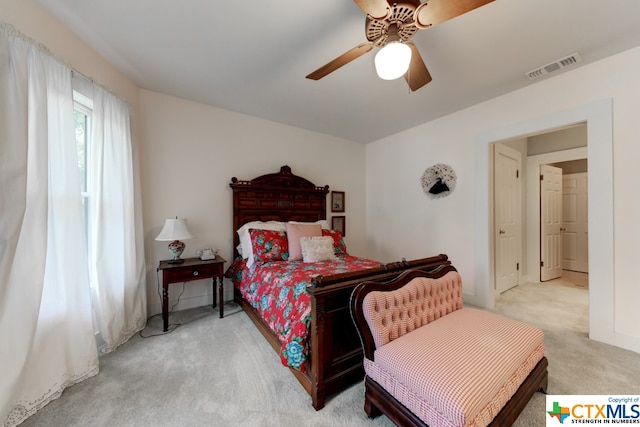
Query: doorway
x=564 y=223
x=599 y=118
x=535 y=256
x=554 y=223
x=539 y=238
x=575 y=236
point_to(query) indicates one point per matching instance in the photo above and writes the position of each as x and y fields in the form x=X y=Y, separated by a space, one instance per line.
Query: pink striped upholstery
x=421 y=301
x=461 y=369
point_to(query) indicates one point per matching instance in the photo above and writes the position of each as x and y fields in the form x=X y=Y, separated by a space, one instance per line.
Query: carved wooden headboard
x=280 y=196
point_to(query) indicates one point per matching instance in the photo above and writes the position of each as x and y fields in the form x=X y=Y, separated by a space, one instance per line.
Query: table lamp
x=173 y=231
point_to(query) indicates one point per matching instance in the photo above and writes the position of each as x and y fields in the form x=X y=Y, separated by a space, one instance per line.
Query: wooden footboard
x=335 y=359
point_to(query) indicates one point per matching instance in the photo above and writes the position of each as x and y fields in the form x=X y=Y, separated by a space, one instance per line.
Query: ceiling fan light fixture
x=392 y=61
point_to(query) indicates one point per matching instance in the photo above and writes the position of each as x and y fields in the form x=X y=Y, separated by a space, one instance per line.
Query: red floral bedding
x=278 y=291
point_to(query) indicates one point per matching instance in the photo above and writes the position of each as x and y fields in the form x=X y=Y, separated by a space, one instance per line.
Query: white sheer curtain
x=117 y=262
x=46 y=333
x=47 y=329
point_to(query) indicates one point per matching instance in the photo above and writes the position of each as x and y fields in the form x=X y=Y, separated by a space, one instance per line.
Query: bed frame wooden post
x=317 y=346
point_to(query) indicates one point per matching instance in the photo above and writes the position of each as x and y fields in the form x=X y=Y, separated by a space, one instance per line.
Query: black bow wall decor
x=438 y=180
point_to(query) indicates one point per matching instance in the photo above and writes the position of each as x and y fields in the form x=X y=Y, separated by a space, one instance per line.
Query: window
x=82 y=109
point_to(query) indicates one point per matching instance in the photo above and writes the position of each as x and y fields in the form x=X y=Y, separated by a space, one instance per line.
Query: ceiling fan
x=390 y=23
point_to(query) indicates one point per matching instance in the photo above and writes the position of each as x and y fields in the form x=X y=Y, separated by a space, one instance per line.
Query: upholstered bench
x=431 y=361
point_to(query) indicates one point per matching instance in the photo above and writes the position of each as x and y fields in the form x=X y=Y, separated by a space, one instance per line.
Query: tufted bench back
x=391 y=314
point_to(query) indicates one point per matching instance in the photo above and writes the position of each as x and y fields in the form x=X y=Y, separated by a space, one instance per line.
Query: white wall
x=192 y=151
x=564 y=139
x=402 y=221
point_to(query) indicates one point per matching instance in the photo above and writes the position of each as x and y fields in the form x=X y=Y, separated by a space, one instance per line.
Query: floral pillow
x=339 y=247
x=269 y=245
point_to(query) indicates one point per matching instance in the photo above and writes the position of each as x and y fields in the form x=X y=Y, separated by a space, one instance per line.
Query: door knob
x=502 y=232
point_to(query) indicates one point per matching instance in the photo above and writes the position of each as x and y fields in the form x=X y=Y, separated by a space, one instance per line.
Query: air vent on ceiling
x=556 y=65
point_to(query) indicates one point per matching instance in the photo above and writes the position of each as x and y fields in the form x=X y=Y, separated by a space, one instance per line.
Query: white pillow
x=245 y=238
x=315 y=249
x=323 y=223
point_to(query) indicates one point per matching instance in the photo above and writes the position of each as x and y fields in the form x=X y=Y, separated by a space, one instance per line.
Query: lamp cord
x=175 y=325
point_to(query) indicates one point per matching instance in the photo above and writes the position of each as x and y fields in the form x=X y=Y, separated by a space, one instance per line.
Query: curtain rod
x=79 y=74
x=13 y=31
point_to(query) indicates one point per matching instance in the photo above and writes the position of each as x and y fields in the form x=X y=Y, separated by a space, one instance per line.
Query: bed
x=332 y=352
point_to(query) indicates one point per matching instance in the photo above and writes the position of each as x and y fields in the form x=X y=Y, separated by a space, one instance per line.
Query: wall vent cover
x=556 y=65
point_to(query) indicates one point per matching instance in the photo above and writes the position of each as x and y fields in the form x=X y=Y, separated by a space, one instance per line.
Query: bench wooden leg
x=542 y=388
x=371 y=409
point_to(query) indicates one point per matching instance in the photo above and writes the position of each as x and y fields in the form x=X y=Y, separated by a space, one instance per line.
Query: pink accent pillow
x=297 y=231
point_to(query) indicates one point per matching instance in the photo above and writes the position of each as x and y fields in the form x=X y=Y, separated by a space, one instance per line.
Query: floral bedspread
x=278 y=291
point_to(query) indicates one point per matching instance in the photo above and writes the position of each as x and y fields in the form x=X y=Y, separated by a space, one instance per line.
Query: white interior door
x=575 y=227
x=550 y=222
x=507 y=216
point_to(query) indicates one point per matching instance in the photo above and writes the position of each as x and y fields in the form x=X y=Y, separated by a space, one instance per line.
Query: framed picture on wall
x=338 y=224
x=337 y=201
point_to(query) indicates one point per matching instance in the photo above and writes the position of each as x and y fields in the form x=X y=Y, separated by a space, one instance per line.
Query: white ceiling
x=252 y=56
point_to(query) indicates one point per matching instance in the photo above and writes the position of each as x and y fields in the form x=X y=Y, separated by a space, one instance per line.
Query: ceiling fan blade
x=341 y=60
x=434 y=12
x=418 y=75
x=376 y=9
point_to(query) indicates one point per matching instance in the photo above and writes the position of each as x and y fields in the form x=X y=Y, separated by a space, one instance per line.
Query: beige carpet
x=572 y=279
x=221 y=372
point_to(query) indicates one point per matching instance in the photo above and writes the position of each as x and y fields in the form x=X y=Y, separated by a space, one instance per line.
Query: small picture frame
x=338 y=224
x=337 y=201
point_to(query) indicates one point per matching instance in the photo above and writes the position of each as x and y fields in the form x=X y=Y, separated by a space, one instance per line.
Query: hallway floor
x=573 y=279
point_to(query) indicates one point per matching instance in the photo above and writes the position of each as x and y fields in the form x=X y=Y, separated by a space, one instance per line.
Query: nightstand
x=191 y=269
